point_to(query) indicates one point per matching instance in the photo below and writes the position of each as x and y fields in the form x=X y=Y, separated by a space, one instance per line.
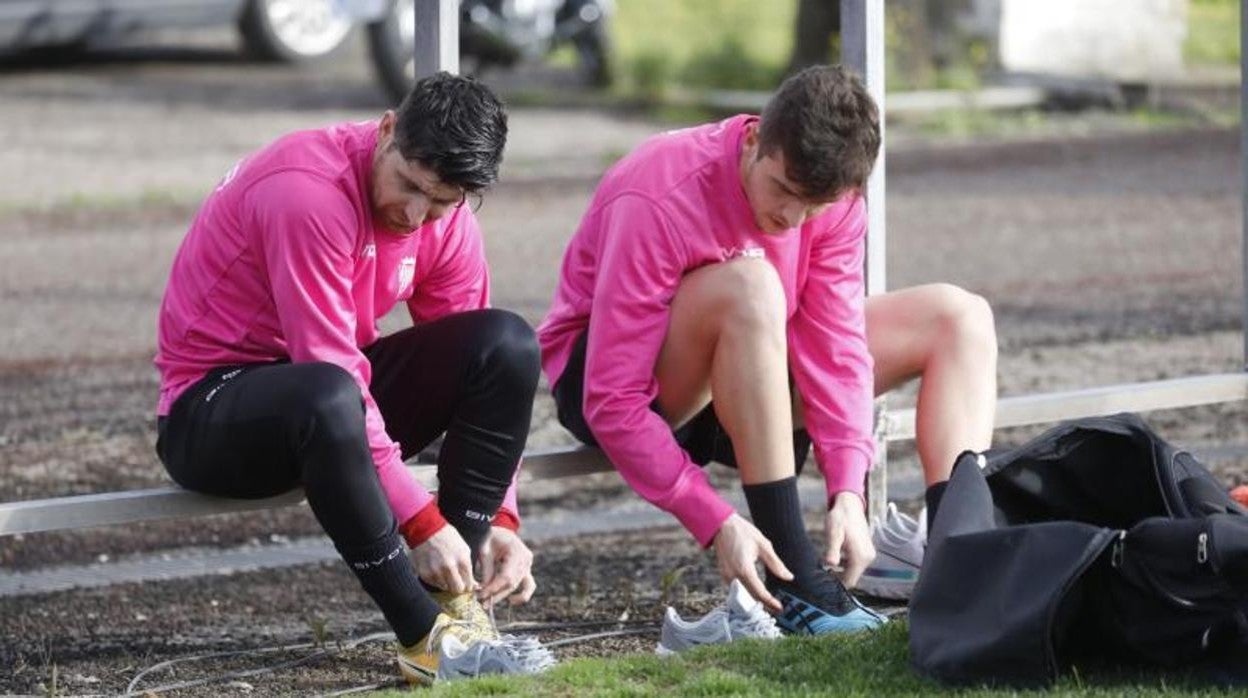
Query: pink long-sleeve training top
x=284 y=261
x=676 y=204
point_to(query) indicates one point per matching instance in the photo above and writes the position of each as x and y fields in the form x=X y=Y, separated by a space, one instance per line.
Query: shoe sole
x=416 y=675
x=840 y=628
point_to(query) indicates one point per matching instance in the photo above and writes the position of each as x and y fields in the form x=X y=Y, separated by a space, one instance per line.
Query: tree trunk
x=942 y=25
x=910 y=51
x=817 y=22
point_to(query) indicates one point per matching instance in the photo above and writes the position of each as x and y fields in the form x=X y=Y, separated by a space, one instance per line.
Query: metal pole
x=1243 y=155
x=862 y=49
x=437 y=37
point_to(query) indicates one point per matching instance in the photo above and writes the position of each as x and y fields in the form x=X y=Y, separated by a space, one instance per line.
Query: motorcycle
x=499 y=33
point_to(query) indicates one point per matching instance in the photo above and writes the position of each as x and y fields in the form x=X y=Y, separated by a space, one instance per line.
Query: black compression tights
x=259 y=430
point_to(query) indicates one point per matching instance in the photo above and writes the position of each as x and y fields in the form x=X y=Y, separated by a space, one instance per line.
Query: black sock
x=387 y=576
x=469 y=515
x=777 y=513
x=933 y=496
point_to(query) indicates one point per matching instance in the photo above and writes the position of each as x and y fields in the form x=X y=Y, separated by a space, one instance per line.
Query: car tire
x=390 y=47
x=291 y=31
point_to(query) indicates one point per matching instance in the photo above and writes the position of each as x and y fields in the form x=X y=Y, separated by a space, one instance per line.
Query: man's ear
x=385 y=128
x=751 y=135
x=752 y=144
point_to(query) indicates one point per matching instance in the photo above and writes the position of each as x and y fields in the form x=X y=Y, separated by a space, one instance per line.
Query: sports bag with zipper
x=1095 y=543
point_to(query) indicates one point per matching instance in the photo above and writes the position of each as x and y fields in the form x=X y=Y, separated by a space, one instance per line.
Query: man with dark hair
x=274 y=374
x=720 y=269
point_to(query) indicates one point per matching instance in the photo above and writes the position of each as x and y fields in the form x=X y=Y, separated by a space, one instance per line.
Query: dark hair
x=828 y=128
x=456 y=127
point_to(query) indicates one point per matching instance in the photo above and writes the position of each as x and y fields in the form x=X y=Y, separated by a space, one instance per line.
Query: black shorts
x=703 y=437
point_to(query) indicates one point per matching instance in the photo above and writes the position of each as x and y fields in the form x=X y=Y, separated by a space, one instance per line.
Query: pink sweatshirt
x=283 y=261
x=672 y=206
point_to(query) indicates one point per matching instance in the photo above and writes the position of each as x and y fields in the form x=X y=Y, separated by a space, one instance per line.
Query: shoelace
x=434 y=642
x=526 y=651
x=830 y=596
x=758 y=623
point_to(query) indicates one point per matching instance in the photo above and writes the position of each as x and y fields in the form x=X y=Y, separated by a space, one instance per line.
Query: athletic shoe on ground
x=821 y=605
x=899 y=540
x=465 y=607
x=456 y=650
x=741 y=616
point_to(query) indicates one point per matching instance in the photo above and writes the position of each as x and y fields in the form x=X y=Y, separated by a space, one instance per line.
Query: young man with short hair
x=274 y=374
x=719 y=270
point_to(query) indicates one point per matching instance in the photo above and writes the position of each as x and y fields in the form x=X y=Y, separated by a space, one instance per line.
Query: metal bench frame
x=174 y=502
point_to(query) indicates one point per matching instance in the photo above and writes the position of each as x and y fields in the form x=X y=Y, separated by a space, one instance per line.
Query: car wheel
x=391 y=42
x=293 y=30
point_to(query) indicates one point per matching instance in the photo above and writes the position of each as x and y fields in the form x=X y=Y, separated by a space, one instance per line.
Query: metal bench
x=109 y=508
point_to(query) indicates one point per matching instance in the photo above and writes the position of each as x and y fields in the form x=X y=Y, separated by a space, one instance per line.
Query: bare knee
x=965 y=320
x=751 y=298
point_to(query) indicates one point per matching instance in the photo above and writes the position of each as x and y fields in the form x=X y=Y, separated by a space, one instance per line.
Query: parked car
x=492 y=32
x=288 y=30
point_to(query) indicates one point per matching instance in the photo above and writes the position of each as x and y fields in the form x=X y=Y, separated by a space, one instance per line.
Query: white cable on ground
x=130 y=689
x=362 y=689
x=598 y=636
x=523 y=627
x=197 y=657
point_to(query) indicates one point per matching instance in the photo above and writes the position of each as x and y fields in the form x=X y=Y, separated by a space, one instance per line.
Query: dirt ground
x=100 y=639
x=1107 y=259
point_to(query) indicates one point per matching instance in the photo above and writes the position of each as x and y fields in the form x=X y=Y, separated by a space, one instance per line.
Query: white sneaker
x=456 y=649
x=899 y=544
x=510 y=654
x=739 y=617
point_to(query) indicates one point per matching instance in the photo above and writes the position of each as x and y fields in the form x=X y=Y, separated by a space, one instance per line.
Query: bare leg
x=946 y=336
x=726 y=336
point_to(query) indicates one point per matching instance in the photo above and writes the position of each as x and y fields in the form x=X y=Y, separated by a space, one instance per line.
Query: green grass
x=1212 y=32
x=866 y=665
x=739 y=44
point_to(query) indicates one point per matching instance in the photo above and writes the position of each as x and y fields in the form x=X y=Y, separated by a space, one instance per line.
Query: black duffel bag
x=1097 y=542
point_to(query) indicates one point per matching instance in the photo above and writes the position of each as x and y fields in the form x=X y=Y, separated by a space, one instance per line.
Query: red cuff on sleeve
x=423 y=525
x=506 y=518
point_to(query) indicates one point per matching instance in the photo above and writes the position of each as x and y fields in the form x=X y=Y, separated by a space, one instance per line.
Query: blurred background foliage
x=749 y=45
x=725 y=44
x=1212 y=32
